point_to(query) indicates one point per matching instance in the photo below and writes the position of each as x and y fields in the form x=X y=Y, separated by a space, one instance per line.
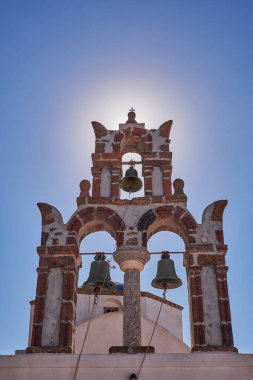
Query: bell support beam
x=131 y=261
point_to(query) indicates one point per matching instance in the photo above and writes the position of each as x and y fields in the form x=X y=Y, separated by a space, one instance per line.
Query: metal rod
x=131 y=162
x=151 y=253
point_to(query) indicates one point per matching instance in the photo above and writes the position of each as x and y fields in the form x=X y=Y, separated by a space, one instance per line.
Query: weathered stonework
x=132 y=223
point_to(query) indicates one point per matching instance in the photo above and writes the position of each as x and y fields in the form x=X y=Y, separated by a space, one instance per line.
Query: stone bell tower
x=131 y=223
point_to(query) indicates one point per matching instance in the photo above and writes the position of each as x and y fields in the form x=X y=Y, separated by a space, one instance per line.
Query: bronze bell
x=166 y=277
x=131 y=183
x=99 y=277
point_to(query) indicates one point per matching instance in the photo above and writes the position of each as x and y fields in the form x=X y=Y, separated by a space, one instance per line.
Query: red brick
x=44 y=237
x=144 y=239
x=39 y=310
x=96 y=188
x=67 y=311
x=225 y=310
x=178 y=212
x=120 y=238
x=199 y=334
x=164 y=147
x=36 y=335
x=164 y=211
x=116 y=147
x=99 y=147
x=71 y=240
x=220 y=236
x=148 y=183
x=115 y=190
x=167 y=186
x=41 y=284
x=147 y=137
x=66 y=334
x=148 y=147
x=164 y=129
x=189 y=222
x=69 y=281
x=227 y=334
x=138 y=132
x=74 y=224
x=195 y=285
x=118 y=136
x=197 y=309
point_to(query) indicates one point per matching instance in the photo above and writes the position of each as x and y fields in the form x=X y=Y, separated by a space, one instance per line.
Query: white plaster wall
x=195 y=366
x=157 y=182
x=51 y=321
x=211 y=306
x=106 y=179
x=107 y=330
x=170 y=317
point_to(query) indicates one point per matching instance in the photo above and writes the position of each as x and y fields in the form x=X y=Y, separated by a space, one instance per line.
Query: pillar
x=131 y=261
x=53 y=324
x=196 y=306
x=226 y=324
x=211 y=328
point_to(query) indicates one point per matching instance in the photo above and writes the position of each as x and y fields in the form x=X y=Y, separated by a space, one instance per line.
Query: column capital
x=131 y=257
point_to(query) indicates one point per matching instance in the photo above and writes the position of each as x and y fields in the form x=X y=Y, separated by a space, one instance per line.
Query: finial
x=131 y=116
x=178 y=185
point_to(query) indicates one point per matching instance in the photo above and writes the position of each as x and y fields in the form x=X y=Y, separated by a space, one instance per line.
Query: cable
x=86 y=334
x=97 y=297
x=144 y=357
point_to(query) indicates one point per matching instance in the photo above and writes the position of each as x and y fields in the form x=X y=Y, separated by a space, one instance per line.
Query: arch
x=112 y=302
x=93 y=219
x=168 y=218
x=137 y=157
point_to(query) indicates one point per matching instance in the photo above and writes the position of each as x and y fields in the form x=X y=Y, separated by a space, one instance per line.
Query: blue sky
x=64 y=64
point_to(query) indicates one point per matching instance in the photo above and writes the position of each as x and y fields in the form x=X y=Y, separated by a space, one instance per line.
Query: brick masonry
x=131 y=223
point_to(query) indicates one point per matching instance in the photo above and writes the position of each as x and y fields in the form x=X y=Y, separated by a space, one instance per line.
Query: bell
x=99 y=277
x=131 y=183
x=166 y=277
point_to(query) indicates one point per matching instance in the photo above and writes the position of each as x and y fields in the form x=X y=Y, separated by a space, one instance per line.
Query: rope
x=86 y=334
x=96 y=300
x=146 y=352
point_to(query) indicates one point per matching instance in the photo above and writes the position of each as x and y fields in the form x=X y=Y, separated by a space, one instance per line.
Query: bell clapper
x=164 y=291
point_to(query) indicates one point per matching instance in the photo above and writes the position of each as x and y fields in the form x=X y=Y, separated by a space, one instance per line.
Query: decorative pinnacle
x=131 y=116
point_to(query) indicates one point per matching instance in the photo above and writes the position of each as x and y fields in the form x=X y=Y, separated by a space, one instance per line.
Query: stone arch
x=94 y=219
x=168 y=218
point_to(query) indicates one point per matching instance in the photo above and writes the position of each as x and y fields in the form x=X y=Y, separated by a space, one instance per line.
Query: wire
x=150 y=340
x=96 y=299
x=86 y=334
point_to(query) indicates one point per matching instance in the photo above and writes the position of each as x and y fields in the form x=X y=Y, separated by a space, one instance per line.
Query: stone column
x=132 y=308
x=96 y=173
x=196 y=306
x=53 y=323
x=211 y=328
x=226 y=324
x=131 y=261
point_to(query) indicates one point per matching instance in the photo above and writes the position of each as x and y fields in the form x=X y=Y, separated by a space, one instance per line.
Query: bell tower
x=152 y=145
x=131 y=223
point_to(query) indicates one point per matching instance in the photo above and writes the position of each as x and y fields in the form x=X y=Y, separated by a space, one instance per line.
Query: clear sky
x=66 y=63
